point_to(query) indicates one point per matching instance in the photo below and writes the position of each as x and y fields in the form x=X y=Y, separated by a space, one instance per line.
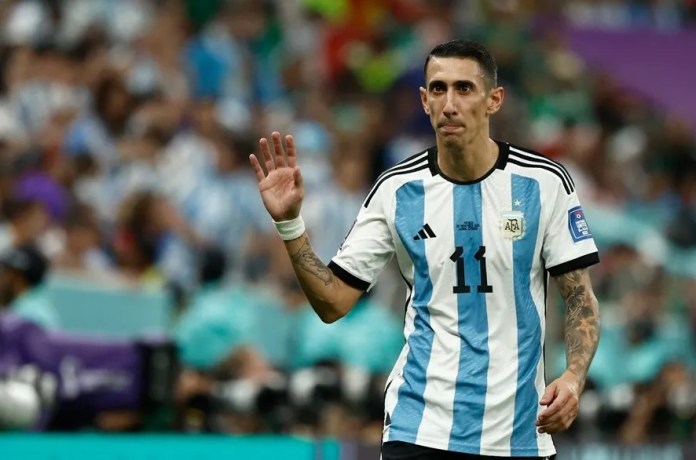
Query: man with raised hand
x=476 y=225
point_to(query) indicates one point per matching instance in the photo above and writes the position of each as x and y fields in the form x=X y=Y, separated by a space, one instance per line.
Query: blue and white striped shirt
x=475 y=257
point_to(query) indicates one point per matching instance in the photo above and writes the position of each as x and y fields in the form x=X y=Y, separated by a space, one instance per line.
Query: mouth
x=449 y=128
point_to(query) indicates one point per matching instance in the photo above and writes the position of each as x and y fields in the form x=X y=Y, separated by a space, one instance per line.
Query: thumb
x=549 y=394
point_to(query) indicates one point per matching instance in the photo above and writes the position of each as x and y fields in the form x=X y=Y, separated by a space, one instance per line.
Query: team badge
x=512 y=225
x=577 y=224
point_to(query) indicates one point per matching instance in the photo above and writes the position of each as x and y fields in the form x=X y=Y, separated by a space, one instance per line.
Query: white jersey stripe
x=395 y=380
x=502 y=370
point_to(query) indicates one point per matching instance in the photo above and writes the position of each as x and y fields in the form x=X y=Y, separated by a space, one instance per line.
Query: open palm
x=280 y=183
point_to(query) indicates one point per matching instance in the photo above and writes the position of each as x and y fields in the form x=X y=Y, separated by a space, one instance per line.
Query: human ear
x=495 y=100
x=424 y=100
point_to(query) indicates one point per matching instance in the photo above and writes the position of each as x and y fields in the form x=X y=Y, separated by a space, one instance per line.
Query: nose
x=449 y=109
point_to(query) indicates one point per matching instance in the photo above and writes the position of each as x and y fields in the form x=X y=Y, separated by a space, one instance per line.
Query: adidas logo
x=425 y=233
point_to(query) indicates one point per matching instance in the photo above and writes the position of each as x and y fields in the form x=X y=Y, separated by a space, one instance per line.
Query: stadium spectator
x=82 y=249
x=22 y=272
x=26 y=221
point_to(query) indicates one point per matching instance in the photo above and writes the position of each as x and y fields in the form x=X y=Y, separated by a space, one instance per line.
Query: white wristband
x=290 y=229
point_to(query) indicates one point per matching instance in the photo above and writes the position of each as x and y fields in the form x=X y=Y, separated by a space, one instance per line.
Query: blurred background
x=144 y=290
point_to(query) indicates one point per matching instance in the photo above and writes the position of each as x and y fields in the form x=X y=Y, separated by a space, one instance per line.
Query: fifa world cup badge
x=577 y=225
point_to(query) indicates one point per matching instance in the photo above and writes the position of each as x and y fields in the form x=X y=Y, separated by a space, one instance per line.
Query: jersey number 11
x=461 y=287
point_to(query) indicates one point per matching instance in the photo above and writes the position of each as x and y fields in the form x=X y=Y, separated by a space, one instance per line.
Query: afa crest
x=512 y=225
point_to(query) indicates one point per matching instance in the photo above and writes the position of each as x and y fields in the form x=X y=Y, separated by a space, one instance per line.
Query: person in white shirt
x=476 y=225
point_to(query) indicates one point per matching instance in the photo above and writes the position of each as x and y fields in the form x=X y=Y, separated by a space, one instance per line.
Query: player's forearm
x=322 y=288
x=581 y=322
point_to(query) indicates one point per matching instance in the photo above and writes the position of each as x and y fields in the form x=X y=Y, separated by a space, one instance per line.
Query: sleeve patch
x=579 y=230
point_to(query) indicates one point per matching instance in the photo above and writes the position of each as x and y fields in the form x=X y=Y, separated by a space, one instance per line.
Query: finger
x=297 y=176
x=260 y=175
x=550 y=414
x=266 y=152
x=549 y=394
x=278 y=149
x=556 y=406
x=560 y=425
x=291 y=151
x=551 y=429
x=558 y=419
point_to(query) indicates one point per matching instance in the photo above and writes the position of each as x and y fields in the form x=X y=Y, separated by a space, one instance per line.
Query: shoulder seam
x=408 y=162
x=545 y=167
x=532 y=156
x=405 y=167
x=528 y=163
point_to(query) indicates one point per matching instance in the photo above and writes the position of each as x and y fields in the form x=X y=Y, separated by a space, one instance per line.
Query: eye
x=438 y=87
x=464 y=87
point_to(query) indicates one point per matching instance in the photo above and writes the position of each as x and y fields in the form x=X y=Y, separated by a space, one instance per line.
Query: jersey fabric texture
x=475 y=257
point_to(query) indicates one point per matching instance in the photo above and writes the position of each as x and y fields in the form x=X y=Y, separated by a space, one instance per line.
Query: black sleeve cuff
x=575 y=264
x=348 y=278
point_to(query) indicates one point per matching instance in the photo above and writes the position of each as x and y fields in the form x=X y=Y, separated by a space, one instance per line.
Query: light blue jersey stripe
x=408 y=413
x=472 y=377
x=525 y=193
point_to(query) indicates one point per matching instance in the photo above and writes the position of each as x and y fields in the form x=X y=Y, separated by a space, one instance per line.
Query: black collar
x=500 y=163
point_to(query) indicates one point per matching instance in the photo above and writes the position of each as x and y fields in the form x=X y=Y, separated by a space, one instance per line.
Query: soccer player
x=476 y=225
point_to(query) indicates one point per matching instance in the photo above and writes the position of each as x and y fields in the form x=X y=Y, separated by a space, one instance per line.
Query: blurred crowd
x=125 y=127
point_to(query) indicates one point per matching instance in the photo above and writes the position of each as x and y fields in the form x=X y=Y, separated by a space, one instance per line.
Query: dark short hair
x=212 y=265
x=466 y=49
x=28 y=261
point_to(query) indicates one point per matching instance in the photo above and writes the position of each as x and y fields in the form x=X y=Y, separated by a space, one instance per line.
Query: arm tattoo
x=307 y=260
x=581 y=321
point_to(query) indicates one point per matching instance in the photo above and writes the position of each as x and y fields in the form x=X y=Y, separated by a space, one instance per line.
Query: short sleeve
x=369 y=245
x=568 y=242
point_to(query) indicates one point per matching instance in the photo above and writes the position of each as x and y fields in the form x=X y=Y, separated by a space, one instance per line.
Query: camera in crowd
x=284 y=402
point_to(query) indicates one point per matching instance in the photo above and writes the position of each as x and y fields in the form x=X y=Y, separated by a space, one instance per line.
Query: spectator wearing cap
x=22 y=272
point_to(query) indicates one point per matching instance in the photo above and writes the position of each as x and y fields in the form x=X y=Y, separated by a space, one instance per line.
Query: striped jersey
x=475 y=257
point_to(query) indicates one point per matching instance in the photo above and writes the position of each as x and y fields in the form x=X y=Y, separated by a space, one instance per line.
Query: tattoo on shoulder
x=307 y=260
x=581 y=321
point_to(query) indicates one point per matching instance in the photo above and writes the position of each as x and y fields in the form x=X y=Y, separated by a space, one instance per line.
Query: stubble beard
x=454 y=146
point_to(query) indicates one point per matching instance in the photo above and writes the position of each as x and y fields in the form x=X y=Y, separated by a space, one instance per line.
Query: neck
x=468 y=162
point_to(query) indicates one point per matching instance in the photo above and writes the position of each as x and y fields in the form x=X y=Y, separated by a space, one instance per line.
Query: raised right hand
x=280 y=184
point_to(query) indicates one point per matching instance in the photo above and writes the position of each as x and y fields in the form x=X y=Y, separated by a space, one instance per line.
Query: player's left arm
x=562 y=396
x=581 y=322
